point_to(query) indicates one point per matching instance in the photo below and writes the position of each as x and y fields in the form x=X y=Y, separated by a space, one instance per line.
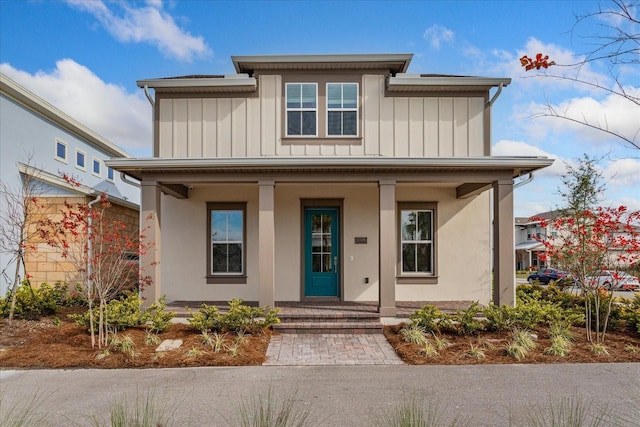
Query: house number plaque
x=361 y=240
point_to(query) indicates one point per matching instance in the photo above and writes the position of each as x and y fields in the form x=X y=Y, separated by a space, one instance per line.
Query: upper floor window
x=61 y=151
x=302 y=109
x=81 y=159
x=109 y=174
x=96 y=167
x=342 y=109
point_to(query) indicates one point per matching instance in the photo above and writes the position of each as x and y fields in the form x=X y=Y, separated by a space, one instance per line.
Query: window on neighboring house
x=81 y=159
x=109 y=174
x=302 y=105
x=417 y=239
x=61 y=151
x=96 y=167
x=226 y=242
x=342 y=109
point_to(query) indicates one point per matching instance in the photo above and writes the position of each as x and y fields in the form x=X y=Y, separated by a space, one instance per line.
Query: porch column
x=266 y=244
x=150 y=206
x=504 y=281
x=388 y=249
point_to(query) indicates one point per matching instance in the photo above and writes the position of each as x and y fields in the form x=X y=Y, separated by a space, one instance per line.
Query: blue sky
x=84 y=57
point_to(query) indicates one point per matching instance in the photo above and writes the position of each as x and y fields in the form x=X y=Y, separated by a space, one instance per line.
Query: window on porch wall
x=417 y=240
x=226 y=242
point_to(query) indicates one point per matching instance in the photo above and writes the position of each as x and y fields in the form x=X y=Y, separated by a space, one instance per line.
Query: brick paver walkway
x=330 y=349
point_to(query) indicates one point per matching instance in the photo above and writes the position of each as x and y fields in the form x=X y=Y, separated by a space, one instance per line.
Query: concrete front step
x=333 y=327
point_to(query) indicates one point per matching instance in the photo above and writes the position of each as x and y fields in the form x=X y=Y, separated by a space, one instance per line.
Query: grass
x=145 y=410
x=414 y=412
x=267 y=410
x=566 y=412
x=24 y=411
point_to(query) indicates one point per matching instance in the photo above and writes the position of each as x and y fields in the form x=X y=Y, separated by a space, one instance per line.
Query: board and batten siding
x=252 y=127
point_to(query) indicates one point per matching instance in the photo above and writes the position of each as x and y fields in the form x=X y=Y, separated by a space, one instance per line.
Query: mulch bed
x=493 y=345
x=49 y=343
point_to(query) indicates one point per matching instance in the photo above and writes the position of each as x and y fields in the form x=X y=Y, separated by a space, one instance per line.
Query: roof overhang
x=528 y=246
x=202 y=84
x=395 y=63
x=80 y=189
x=417 y=82
x=514 y=166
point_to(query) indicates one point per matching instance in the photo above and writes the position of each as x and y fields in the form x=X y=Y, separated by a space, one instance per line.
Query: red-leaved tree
x=585 y=244
x=102 y=253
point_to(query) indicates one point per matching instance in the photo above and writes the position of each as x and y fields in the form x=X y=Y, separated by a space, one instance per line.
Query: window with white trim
x=226 y=242
x=61 y=151
x=302 y=109
x=96 y=167
x=342 y=109
x=110 y=174
x=417 y=251
x=81 y=159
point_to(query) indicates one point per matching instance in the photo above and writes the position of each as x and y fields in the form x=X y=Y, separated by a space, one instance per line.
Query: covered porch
x=463 y=178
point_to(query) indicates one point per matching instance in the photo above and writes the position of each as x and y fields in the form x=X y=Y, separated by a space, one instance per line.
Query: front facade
x=529 y=235
x=336 y=177
x=40 y=142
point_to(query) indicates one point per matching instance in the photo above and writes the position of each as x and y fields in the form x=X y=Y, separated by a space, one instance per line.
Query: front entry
x=321 y=252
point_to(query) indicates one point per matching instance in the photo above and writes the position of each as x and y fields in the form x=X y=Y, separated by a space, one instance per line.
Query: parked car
x=547 y=275
x=616 y=280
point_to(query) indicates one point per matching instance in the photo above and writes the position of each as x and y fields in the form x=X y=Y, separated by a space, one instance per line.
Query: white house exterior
x=334 y=177
x=38 y=139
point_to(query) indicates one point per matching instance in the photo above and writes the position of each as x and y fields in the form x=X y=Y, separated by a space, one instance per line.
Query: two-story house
x=42 y=142
x=336 y=177
x=529 y=233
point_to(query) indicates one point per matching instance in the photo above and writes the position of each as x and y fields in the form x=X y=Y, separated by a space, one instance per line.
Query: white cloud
x=148 y=24
x=437 y=34
x=520 y=148
x=107 y=109
x=624 y=172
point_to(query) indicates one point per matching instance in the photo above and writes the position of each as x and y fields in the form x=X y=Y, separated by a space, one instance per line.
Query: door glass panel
x=316 y=263
x=326 y=262
x=326 y=243
x=316 y=245
x=326 y=224
x=316 y=223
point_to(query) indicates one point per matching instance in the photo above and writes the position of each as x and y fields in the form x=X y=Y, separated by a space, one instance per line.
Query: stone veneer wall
x=46 y=264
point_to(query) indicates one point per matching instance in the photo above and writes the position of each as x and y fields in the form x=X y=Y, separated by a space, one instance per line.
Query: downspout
x=153 y=103
x=495 y=96
x=525 y=181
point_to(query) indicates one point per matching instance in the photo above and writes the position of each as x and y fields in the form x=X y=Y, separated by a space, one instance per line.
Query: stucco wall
x=464 y=246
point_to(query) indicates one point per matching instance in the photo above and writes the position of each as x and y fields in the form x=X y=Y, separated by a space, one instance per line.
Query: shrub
x=468 y=324
x=431 y=319
x=126 y=312
x=239 y=318
x=499 y=318
x=631 y=314
x=615 y=320
x=33 y=303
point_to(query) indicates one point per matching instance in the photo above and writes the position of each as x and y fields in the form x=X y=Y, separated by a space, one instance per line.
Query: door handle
x=335 y=263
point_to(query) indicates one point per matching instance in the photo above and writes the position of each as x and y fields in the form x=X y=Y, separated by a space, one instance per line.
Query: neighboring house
x=334 y=177
x=38 y=139
x=529 y=232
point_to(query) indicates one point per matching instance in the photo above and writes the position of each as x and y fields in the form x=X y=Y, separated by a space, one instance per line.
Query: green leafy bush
x=431 y=319
x=239 y=318
x=631 y=314
x=533 y=309
x=33 y=303
x=127 y=312
x=499 y=318
x=468 y=323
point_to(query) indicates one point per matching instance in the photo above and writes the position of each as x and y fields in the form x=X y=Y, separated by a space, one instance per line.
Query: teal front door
x=321 y=255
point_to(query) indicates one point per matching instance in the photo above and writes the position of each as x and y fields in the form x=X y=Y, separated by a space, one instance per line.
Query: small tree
x=100 y=250
x=20 y=209
x=588 y=243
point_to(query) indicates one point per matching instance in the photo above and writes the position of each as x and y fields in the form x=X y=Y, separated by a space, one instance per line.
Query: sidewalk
x=334 y=395
x=330 y=349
